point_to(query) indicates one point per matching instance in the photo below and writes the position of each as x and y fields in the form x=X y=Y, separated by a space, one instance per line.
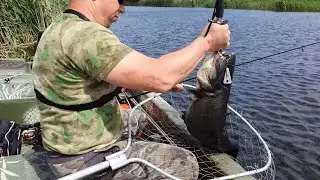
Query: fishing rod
x=217 y=16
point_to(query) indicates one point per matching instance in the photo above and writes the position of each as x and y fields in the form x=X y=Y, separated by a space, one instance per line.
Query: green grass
x=174 y=3
x=20 y=21
x=274 y=5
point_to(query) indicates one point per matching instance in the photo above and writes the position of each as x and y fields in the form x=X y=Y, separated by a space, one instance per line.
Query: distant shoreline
x=271 y=5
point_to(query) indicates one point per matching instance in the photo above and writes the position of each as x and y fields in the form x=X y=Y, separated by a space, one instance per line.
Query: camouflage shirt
x=72 y=58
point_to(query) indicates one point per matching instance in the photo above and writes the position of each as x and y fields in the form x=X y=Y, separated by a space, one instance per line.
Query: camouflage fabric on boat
x=28 y=166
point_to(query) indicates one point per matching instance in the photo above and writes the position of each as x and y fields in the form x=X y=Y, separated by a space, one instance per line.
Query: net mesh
x=31 y=116
x=166 y=126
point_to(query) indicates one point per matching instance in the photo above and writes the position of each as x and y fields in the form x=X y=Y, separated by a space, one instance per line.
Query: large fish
x=206 y=117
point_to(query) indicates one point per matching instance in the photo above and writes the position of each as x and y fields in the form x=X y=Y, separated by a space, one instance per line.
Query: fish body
x=206 y=117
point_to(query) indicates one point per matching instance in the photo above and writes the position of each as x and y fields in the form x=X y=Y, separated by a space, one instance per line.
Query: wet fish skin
x=206 y=118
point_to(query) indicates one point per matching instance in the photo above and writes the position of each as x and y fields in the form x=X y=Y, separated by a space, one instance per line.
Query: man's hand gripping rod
x=217 y=16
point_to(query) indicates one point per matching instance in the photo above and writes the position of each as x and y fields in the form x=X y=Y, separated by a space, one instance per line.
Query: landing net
x=166 y=125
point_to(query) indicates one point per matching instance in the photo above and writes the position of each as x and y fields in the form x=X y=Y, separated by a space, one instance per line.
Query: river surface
x=281 y=94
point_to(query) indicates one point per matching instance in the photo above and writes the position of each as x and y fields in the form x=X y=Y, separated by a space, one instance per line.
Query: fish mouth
x=211 y=74
x=207 y=75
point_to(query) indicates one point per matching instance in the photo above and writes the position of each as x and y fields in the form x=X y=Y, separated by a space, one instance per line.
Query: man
x=78 y=61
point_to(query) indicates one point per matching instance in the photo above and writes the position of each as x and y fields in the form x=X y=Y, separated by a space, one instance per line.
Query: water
x=281 y=94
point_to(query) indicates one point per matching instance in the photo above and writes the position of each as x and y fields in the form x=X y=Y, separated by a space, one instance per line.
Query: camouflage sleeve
x=95 y=50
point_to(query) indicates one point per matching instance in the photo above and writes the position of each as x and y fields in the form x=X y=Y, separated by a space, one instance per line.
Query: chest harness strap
x=79 y=107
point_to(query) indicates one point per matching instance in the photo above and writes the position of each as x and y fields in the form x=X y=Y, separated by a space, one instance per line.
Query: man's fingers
x=228 y=44
x=178 y=87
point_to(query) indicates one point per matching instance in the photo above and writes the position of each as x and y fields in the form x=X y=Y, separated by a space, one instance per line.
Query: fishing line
x=241 y=64
x=262 y=58
x=218 y=7
x=218 y=12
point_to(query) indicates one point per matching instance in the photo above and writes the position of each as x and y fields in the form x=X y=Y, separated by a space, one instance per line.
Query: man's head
x=104 y=12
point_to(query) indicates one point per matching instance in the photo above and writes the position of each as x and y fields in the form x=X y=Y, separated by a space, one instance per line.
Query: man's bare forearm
x=176 y=66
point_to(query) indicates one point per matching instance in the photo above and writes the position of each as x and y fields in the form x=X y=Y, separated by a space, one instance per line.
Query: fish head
x=211 y=74
x=208 y=74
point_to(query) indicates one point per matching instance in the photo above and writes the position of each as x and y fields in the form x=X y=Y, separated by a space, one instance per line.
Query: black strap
x=80 y=107
x=68 y=11
x=71 y=11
